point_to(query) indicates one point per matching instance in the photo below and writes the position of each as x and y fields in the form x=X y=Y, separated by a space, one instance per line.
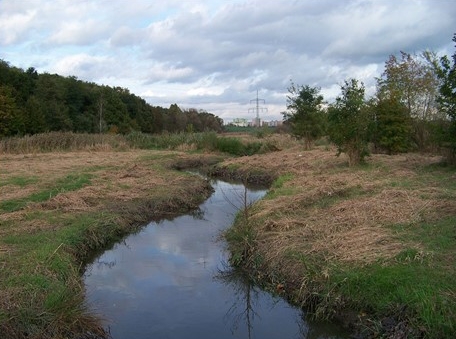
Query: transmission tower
x=257 y=109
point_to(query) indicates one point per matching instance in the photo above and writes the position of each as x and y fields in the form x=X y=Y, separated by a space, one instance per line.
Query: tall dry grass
x=204 y=141
x=62 y=141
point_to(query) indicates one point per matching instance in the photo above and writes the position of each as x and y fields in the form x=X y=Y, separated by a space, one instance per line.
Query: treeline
x=32 y=103
x=413 y=109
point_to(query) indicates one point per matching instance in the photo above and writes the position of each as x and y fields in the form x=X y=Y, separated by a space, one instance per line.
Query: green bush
x=231 y=146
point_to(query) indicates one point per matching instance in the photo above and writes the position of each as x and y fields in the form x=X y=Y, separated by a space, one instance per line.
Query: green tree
x=174 y=119
x=446 y=73
x=413 y=81
x=50 y=90
x=304 y=113
x=348 y=122
x=114 y=112
x=392 y=124
x=34 y=103
x=35 y=120
x=11 y=121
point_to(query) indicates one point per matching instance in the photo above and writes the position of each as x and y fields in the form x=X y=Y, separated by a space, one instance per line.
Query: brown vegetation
x=317 y=215
x=322 y=218
x=124 y=190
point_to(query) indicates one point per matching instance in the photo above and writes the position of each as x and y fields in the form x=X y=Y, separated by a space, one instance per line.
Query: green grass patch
x=71 y=182
x=281 y=180
x=418 y=282
x=43 y=277
x=279 y=187
x=438 y=239
x=408 y=286
x=205 y=141
x=20 y=181
x=90 y=231
x=231 y=146
x=30 y=281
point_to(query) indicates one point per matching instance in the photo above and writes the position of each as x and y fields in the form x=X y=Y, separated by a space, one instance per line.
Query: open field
x=379 y=240
x=56 y=209
x=372 y=245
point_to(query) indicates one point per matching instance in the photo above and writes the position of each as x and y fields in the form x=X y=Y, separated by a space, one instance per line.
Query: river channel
x=172 y=280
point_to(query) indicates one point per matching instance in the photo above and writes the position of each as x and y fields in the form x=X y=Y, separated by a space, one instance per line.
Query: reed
x=61 y=141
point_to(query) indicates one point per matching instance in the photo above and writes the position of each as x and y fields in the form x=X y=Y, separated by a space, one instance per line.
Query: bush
x=231 y=146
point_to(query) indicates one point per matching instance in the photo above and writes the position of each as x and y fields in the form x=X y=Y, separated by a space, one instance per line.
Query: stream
x=172 y=280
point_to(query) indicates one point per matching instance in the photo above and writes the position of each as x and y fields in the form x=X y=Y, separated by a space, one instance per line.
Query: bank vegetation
x=371 y=246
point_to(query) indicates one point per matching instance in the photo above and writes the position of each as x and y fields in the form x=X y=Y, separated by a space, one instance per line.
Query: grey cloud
x=219 y=53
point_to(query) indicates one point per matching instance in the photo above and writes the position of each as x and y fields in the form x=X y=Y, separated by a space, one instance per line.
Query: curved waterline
x=171 y=280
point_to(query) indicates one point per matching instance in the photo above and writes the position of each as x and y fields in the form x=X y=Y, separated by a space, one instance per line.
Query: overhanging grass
x=43 y=281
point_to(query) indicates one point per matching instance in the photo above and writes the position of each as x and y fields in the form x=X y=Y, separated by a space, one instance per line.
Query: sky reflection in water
x=171 y=281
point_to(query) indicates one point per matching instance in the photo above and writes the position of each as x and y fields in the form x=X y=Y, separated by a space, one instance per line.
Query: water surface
x=171 y=280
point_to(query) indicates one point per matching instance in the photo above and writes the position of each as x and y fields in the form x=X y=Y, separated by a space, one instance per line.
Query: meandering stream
x=171 y=280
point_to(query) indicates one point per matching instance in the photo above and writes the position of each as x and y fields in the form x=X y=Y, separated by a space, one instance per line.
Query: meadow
x=372 y=246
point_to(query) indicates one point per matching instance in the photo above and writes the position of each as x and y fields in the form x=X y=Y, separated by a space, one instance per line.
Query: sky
x=215 y=55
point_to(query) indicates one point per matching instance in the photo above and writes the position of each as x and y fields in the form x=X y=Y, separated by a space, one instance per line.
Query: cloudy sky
x=215 y=55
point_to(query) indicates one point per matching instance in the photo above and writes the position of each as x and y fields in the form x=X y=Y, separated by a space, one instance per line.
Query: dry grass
x=323 y=210
x=373 y=240
x=114 y=170
x=126 y=188
x=338 y=212
x=119 y=177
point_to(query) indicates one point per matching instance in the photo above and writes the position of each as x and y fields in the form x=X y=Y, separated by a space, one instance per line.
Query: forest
x=32 y=103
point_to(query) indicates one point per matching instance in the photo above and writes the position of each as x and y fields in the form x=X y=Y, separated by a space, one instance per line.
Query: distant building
x=256 y=122
x=273 y=123
x=240 y=122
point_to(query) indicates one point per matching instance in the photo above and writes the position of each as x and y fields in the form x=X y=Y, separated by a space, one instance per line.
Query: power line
x=257 y=109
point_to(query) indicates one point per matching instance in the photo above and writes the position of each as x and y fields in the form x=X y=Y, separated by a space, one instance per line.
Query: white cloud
x=214 y=55
x=83 y=65
x=13 y=25
x=78 y=33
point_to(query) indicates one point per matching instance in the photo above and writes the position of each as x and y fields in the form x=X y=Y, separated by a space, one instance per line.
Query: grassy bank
x=374 y=246
x=57 y=208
